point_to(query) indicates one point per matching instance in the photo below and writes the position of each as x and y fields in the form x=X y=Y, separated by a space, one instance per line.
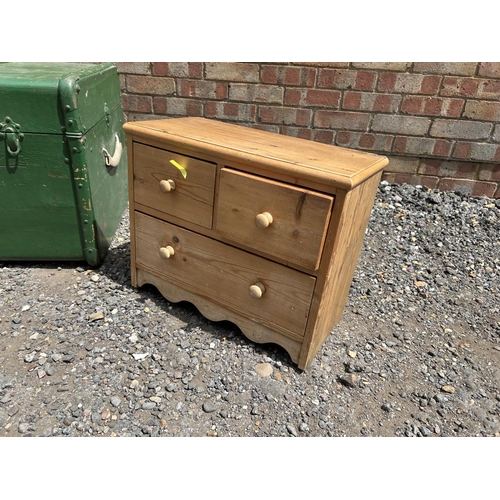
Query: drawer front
x=277 y=219
x=160 y=185
x=226 y=275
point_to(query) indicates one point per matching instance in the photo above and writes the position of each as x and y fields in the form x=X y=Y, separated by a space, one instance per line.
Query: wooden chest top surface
x=325 y=164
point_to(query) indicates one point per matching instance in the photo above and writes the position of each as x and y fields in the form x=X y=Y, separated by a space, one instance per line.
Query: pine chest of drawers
x=252 y=227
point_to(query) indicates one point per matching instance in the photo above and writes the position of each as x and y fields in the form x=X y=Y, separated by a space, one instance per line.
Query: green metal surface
x=58 y=199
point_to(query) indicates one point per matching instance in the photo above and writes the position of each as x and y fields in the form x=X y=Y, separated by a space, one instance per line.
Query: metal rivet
x=66 y=160
x=80 y=186
x=74 y=150
x=70 y=122
x=67 y=107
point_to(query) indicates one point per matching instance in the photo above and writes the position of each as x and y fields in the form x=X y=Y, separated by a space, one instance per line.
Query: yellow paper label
x=180 y=167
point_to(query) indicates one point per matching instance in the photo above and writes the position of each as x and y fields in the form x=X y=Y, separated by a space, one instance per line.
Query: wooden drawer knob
x=263 y=220
x=257 y=290
x=167 y=186
x=166 y=252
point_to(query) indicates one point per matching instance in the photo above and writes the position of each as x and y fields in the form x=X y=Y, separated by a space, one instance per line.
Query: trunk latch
x=10 y=133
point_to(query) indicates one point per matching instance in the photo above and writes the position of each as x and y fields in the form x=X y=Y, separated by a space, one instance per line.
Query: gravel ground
x=417 y=352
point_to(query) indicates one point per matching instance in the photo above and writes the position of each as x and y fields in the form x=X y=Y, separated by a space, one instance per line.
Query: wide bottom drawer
x=263 y=291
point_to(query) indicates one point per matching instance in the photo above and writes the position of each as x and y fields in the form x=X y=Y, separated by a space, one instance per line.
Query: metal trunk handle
x=113 y=161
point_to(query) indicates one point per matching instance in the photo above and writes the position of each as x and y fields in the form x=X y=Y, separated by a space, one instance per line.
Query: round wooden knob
x=257 y=290
x=166 y=252
x=167 y=186
x=263 y=220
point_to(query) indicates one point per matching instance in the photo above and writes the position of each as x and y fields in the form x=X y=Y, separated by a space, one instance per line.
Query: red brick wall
x=439 y=123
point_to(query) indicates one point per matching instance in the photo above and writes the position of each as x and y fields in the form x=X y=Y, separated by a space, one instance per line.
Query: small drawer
x=256 y=288
x=276 y=219
x=161 y=185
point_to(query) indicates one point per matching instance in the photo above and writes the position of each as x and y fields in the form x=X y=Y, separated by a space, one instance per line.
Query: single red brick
x=194 y=107
x=405 y=179
x=454 y=107
x=326 y=64
x=496 y=158
x=428 y=182
x=430 y=167
x=268 y=114
x=160 y=105
x=150 y=85
x=269 y=74
x=383 y=66
x=202 y=89
x=462 y=150
x=136 y=68
x=327 y=77
x=446 y=68
x=433 y=106
x=293 y=97
x=489 y=172
x=352 y=100
x=160 y=69
x=482 y=110
x=341 y=120
x=232 y=72
x=211 y=109
x=491 y=69
x=430 y=84
x=442 y=148
x=304 y=117
x=291 y=76
x=324 y=136
x=304 y=133
x=326 y=98
x=412 y=105
x=399 y=145
x=489 y=89
x=343 y=138
x=466 y=170
x=404 y=164
x=468 y=187
x=365 y=80
x=460 y=185
x=384 y=103
x=231 y=109
x=387 y=82
x=484 y=189
x=367 y=141
x=140 y=104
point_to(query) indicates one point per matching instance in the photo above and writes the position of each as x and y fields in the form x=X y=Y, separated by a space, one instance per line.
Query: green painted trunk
x=63 y=181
